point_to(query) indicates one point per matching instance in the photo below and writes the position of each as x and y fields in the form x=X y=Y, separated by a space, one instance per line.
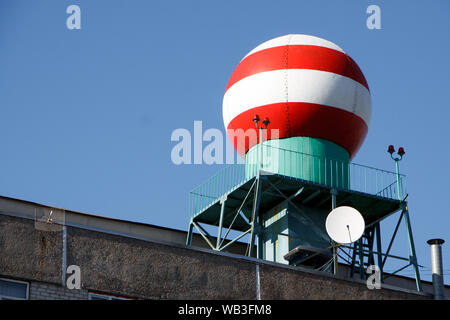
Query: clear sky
x=87 y=115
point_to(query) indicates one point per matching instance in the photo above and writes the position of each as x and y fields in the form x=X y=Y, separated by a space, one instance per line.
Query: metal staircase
x=363 y=254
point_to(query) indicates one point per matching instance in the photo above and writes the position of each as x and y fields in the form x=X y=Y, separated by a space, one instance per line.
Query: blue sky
x=87 y=115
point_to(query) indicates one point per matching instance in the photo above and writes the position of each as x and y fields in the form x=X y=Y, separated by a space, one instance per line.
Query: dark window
x=13 y=290
x=96 y=296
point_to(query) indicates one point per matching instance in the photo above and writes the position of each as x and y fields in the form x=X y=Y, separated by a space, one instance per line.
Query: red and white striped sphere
x=306 y=86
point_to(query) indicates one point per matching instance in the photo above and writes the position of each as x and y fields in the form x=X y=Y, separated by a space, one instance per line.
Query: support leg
x=413 y=257
x=380 y=257
x=335 y=256
x=259 y=252
x=189 y=234
x=255 y=213
x=361 y=259
x=355 y=250
x=219 y=231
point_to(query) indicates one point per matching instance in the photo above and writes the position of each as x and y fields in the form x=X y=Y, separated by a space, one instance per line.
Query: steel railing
x=324 y=171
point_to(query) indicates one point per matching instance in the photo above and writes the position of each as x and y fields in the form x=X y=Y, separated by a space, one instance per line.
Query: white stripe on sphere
x=295 y=39
x=297 y=85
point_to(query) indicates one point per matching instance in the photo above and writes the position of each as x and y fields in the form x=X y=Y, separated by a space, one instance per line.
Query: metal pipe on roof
x=436 y=267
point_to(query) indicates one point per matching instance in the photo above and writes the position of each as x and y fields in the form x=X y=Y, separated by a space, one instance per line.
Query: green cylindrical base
x=312 y=159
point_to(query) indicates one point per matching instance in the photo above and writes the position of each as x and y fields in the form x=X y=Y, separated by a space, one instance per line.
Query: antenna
x=49 y=219
x=345 y=225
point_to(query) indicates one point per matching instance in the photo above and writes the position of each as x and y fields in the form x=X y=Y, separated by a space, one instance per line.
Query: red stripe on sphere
x=307 y=120
x=298 y=57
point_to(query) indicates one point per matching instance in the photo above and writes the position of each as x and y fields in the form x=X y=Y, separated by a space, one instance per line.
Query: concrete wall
x=145 y=269
x=279 y=283
x=135 y=268
x=39 y=214
x=29 y=252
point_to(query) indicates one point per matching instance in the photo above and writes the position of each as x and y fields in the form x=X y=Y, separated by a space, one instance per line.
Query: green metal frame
x=232 y=200
x=366 y=254
x=361 y=178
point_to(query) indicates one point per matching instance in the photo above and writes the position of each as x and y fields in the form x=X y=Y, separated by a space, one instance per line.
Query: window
x=98 y=296
x=13 y=290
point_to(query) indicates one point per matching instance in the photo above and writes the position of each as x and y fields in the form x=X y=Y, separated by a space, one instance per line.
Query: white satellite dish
x=345 y=225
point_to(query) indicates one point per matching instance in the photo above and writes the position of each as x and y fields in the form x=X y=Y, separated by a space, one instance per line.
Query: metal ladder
x=363 y=253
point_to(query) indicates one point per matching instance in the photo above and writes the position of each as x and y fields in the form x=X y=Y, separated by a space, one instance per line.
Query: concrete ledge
x=130 y=266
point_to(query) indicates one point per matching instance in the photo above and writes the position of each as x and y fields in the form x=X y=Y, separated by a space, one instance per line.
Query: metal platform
x=277 y=188
x=229 y=202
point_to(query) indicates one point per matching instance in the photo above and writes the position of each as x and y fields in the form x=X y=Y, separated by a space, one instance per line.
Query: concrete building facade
x=40 y=246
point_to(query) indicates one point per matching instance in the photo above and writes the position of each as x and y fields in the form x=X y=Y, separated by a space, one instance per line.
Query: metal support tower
x=240 y=209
